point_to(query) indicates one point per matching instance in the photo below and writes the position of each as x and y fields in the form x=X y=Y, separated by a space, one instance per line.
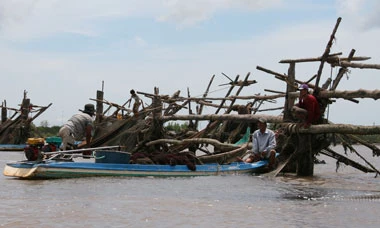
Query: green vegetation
x=44 y=130
x=48 y=131
x=176 y=127
x=370 y=138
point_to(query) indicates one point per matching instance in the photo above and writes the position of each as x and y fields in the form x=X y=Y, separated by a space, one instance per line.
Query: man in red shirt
x=307 y=108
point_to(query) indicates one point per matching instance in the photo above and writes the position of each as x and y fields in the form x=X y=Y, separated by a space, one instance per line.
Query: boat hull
x=53 y=169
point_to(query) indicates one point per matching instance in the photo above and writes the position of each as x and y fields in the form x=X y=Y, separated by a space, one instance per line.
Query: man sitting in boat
x=79 y=126
x=263 y=144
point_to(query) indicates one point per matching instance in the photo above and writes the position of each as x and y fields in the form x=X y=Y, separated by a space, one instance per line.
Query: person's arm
x=255 y=145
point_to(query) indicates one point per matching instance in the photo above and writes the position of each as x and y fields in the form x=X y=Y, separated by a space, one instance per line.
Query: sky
x=63 y=51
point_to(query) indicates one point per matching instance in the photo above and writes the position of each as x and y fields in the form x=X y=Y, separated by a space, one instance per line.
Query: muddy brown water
x=347 y=198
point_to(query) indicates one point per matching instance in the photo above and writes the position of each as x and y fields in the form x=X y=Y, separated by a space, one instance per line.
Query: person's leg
x=299 y=113
x=136 y=108
x=252 y=158
x=272 y=159
x=67 y=138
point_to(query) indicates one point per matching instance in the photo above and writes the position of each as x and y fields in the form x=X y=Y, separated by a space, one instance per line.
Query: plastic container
x=115 y=157
x=54 y=140
x=35 y=141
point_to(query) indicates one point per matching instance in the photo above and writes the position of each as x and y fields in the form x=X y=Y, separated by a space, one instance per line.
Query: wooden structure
x=219 y=141
x=145 y=133
x=17 y=128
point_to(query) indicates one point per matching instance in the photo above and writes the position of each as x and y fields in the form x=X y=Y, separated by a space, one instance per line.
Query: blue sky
x=60 y=52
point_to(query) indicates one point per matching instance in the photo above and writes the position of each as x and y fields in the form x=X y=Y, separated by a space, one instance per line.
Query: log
x=224 y=158
x=330 y=59
x=330 y=153
x=305 y=155
x=345 y=94
x=213 y=142
x=358 y=65
x=333 y=128
x=352 y=149
x=214 y=117
x=375 y=149
x=361 y=93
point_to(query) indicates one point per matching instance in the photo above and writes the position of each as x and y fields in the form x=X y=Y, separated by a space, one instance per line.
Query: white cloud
x=189 y=13
x=69 y=79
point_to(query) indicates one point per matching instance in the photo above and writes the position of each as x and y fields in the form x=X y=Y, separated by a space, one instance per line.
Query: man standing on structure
x=137 y=103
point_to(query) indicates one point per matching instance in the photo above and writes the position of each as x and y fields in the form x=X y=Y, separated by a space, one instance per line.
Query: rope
x=94 y=155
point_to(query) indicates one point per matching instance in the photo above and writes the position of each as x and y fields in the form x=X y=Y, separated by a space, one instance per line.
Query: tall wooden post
x=25 y=108
x=289 y=101
x=99 y=106
x=4 y=112
x=305 y=158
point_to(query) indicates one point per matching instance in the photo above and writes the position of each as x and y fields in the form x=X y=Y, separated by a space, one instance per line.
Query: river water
x=346 y=198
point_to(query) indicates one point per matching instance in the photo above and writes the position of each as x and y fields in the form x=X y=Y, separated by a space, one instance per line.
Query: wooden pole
x=99 y=106
x=199 y=111
x=325 y=55
x=305 y=158
x=342 y=71
x=4 y=116
x=228 y=93
x=289 y=101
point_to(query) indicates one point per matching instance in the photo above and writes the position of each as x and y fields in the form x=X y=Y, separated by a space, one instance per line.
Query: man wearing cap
x=263 y=144
x=79 y=126
x=307 y=109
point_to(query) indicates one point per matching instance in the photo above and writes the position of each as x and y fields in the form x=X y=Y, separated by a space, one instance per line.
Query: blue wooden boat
x=51 y=168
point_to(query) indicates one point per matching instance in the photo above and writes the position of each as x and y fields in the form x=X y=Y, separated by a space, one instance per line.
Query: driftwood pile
x=298 y=147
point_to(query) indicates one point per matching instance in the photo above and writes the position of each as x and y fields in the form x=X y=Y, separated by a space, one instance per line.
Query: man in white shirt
x=78 y=127
x=263 y=144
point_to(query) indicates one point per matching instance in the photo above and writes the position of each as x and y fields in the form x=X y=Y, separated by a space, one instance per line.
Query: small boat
x=116 y=163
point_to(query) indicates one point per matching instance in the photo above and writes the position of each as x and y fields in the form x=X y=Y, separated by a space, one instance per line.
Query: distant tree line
x=44 y=130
